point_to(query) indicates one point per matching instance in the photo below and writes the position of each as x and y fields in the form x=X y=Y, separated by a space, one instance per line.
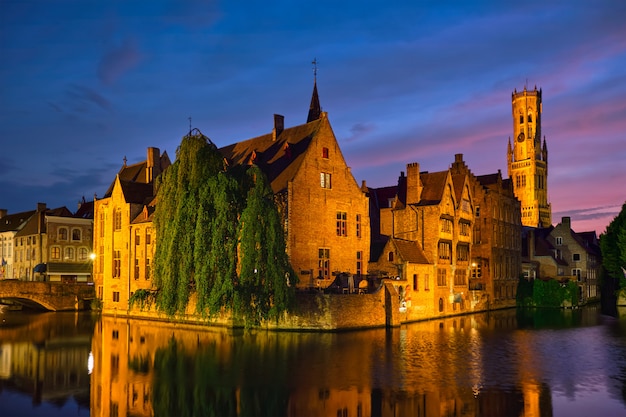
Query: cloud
x=83 y=96
x=118 y=61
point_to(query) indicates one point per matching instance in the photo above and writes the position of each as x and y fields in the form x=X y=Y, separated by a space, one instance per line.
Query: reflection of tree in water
x=202 y=383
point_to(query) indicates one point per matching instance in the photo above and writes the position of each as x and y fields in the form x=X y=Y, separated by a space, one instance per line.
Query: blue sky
x=85 y=83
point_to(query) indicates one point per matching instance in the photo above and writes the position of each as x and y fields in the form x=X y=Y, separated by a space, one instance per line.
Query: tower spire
x=315 y=110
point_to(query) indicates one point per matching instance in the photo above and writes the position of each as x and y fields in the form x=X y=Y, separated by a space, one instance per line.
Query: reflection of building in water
x=437 y=368
x=5 y=361
x=48 y=372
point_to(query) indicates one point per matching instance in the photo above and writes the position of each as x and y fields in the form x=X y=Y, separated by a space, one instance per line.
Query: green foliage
x=524 y=295
x=552 y=293
x=144 y=298
x=266 y=279
x=613 y=247
x=215 y=228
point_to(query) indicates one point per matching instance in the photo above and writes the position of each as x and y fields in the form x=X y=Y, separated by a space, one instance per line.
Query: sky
x=87 y=83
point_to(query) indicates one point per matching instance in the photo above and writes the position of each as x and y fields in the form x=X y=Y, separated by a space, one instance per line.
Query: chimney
x=566 y=221
x=413 y=191
x=279 y=126
x=153 y=164
x=3 y=212
x=41 y=206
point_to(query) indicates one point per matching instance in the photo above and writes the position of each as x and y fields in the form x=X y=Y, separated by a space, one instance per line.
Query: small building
x=10 y=224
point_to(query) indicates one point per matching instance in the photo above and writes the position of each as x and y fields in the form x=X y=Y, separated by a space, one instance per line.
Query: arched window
x=390 y=256
x=521 y=119
x=441 y=305
x=55 y=252
x=62 y=233
x=530 y=118
x=83 y=254
x=76 y=235
x=69 y=253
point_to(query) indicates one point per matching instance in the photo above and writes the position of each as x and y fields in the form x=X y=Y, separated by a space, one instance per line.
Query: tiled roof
x=32 y=227
x=381 y=196
x=434 y=185
x=410 y=251
x=136 y=192
x=279 y=159
x=12 y=222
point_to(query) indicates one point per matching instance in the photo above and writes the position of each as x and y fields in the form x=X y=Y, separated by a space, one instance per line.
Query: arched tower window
x=530 y=118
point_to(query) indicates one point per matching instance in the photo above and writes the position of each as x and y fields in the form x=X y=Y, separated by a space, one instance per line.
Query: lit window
x=83 y=254
x=441 y=277
x=55 y=252
x=69 y=254
x=325 y=180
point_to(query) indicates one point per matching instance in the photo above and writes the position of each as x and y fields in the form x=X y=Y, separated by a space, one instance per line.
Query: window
x=76 y=235
x=136 y=268
x=116 y=296
x=117 y=263
x=445 y=251
x=359 y=262
x=415 y=282
x=115 y=334
x=342 y=217
x=147 y=272
x=521 y=119
x=576 y=273
x=137 y=238
x=576 y=257
x=323 y=263
x=101 y=260
x=441 y=305
x=390 y=256
x=426 y=282
x=441 y=277
x=62 y=233
x=117 y=219
x=464 y=228
x=460 y=277
x=559 y=240
x=477 y=211
x=462 y=253
x=83 y=254
x=325 y=153
x=530 y=118
x=55 y=253
x=446 y=225
x=69 y=253
x=325 y=180
x=358 y=225
x=101 y=226
x=148 y=236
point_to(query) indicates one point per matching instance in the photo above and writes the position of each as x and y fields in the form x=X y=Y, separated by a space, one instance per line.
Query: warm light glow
x=92 y=256
x=90 y=363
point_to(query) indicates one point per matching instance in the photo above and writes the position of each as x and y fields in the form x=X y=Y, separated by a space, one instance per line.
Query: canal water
x=504 y=363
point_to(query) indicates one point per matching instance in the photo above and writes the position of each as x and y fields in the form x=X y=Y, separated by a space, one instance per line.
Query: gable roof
x=278 y=156
x=32 y=226
x=13 y=222
x=136 y=173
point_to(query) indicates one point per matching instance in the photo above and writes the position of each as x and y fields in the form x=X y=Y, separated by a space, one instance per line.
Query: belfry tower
x=527 y=159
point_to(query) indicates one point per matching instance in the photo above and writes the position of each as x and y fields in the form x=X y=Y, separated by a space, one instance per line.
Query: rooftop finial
x=314 y=68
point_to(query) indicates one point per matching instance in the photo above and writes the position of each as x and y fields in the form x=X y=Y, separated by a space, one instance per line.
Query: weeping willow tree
x=266 y=279
x=185 y=203
x=219 y=234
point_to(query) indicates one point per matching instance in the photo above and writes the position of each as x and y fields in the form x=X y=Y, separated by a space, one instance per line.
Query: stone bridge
x=52 y=296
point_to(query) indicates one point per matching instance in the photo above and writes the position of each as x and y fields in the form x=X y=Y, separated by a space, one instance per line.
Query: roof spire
x=315 y=110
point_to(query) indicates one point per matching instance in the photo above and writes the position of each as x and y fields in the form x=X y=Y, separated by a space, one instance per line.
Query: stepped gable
x=434 y=185
x=278 y=154
x=12 y=222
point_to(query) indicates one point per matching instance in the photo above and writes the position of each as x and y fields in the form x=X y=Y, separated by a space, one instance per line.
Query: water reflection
x=43 y=357
x=478 y=365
